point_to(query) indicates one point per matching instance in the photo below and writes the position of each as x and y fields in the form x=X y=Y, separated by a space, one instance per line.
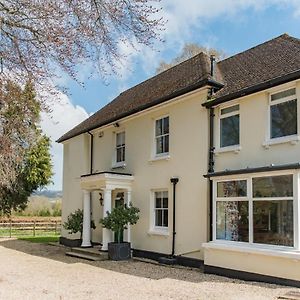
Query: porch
x=112 y=187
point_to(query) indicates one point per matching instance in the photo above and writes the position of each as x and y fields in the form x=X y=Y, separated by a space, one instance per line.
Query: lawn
x=40 y=239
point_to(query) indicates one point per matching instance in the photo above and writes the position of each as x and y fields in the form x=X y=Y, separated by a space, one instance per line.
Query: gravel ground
x=39 y=271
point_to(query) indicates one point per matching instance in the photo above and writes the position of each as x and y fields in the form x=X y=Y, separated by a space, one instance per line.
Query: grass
x=39 y=239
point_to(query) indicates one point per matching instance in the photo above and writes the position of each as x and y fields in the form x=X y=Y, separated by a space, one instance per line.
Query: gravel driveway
x=39 y=271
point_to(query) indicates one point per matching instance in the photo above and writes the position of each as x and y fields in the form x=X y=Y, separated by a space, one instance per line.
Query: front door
x=119 y=200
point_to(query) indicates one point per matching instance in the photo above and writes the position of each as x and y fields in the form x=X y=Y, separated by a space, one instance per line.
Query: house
x=220 y=140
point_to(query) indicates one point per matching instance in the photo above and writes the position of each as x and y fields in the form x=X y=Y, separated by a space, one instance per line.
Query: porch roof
x=106 y=180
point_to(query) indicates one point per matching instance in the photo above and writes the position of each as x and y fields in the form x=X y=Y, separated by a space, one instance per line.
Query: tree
x=74 y=222
x=118 y=219
x=34 y=172
x=189 y=50
x=19 y=116
x=25 y=161
x=40 y=37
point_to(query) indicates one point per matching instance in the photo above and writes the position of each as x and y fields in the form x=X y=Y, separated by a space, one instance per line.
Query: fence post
x=55 y=227
x=34 y=228
x=10 y=228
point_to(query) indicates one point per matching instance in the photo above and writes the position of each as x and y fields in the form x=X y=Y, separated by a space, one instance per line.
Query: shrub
x=74 y=222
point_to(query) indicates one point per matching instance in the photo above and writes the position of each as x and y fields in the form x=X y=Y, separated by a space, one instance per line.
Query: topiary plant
x=75 y=222
x=118 y=219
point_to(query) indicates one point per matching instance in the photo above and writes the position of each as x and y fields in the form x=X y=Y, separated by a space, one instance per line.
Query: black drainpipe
x=174 y=180
x=91 y=151
x=211 y=162
x=172 y=259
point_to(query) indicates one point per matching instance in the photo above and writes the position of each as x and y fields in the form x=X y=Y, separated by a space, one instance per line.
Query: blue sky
x=229 y=25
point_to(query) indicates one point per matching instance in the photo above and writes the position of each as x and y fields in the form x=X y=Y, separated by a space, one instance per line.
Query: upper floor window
x=162 y=136
x=283 y=114
x=120 y=147
x=230 y=126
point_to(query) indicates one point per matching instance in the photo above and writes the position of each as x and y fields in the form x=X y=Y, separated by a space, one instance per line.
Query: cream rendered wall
x=75 y=163
x=188 y=161
x=281 y=267
x=253 y=132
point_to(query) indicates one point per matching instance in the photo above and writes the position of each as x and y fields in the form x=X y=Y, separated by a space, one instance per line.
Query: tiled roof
x=270 y=60
x=273 y=59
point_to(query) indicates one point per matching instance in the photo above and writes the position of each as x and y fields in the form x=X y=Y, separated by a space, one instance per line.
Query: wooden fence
x=10 y=228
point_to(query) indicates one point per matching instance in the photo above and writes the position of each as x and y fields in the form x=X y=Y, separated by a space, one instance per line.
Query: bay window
x=256 y=210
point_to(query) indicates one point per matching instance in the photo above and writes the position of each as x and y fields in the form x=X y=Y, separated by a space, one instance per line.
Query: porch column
x=106 y=233
x=128 y=200
x=86 y=231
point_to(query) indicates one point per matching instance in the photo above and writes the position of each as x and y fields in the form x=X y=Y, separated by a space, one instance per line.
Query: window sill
x=159 y=158
x=236 y=149
x=268 y=250
x=292 y=139
x=120 y=165
x=160 y=232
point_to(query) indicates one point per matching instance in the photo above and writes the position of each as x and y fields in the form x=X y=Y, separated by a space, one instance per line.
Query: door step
x=92 y=254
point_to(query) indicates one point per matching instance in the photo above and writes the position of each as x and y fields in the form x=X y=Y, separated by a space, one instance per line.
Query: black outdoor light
x=101 y=199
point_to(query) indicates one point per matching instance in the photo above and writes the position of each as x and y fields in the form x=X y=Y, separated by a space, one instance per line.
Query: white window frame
x=235 y=148
x=294 y=138
x=251 y=199
x=120 y=164
x=164 y=154
x=158 y=230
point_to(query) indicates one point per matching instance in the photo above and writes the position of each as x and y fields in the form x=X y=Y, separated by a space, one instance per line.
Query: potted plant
x=118 y=220
x=74 y=224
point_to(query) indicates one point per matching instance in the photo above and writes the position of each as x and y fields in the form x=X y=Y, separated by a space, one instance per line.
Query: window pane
x=158 y=127
x=165 y=202
x=165 y=221
x=158 y=202
x=123 y=153
x=119 y=155
x=230 y=109
x=166 y=125
x=159 y=145
x=232 y=221
x=283 y=94
x=166 y=143
x=158 y=217
x=284 y=119
x=230 y=131
x=273 y=222
x=274 y=186
x=234 y=188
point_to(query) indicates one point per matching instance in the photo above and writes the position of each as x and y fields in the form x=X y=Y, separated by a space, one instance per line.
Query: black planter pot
x=119 y=251
x=70 y=243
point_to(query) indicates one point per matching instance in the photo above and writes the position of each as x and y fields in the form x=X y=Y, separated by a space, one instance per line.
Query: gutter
x=202 y=83
x=253 y=89
x=272 y=167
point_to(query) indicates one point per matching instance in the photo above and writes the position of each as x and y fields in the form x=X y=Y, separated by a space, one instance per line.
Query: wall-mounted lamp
x=101 y=199
x=116 y=125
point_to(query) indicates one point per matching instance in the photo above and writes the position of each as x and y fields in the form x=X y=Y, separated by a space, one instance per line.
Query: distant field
x=40 y=239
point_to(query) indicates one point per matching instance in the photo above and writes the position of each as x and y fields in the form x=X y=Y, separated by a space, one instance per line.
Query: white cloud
x=63 y=117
